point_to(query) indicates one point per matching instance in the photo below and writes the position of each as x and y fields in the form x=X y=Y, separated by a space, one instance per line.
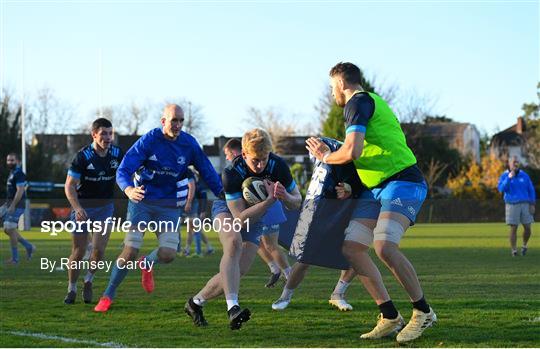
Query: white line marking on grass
x=64 y=339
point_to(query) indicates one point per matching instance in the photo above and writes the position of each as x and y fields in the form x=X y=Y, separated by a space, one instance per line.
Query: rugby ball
x=253 y=190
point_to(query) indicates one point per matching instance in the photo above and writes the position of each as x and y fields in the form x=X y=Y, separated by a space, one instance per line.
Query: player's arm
x=133 y=159
x=70 y=189
x=349 y=151
x=503 y=183
x=285 y=188
x=191 y=194
x=73 y=180
x=292 y=200
x=247 y=215
x=18 y=196
x=207 y=171
x=357 y=113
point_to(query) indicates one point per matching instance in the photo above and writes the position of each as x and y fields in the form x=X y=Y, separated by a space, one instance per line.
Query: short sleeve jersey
x=16 y=179
x=97 y=174
x=234 y=175
x=358 y=112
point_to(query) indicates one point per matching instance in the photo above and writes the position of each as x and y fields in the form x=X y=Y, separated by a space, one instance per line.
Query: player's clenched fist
x=135 y=194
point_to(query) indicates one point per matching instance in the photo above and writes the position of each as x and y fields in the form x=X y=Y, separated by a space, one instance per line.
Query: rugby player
x=240 y=247
x=165 y=154
x=89 y=189
x=386 y=165
x=197 y=210
x=269 y=241
x=14 y=208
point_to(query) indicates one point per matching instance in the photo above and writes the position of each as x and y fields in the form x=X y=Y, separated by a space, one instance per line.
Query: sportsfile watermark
x=118 y=224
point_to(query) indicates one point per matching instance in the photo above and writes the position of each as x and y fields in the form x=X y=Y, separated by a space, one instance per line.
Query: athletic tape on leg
x=358 y=232
x=134 y=239
x=388 y=230
x=169 y=240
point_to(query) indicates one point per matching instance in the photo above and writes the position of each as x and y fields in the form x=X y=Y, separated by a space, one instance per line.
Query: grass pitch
x=483 y=298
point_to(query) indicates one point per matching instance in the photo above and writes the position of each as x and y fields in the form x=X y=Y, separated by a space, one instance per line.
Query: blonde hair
x=257 y=142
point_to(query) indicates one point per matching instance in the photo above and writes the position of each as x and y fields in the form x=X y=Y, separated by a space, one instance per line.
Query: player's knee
x=97 y=255
x=166 y=255
x=385 y=251
x=234 y=247
x=129 y=254
x=349 y=251
x=10 y=228
x=77 y=253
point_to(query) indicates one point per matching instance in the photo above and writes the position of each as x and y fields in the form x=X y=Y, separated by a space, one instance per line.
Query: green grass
x=483 y=298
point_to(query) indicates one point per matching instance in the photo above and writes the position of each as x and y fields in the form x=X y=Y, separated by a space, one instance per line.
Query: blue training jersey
x=517 y=189
x=96 y=175
x=16 y=178
x=167 y=161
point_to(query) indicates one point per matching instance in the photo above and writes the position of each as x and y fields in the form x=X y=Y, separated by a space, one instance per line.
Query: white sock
x=287 y=293
x=199 y=300
x=72 y=286
x=287 y=272
x=89 y=277
x=274 y=269
x=232 y=300
x=341 y=287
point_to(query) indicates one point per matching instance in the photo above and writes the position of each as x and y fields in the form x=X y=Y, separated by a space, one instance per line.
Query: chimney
x=520 y=126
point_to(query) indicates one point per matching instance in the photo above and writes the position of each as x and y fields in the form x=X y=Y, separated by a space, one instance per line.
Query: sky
x=477 y=60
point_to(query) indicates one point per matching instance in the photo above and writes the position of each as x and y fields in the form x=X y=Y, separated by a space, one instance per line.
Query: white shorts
x=516 y=214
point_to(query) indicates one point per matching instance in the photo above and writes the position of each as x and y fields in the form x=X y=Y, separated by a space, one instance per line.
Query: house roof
x=452 y=132
x=508 y=137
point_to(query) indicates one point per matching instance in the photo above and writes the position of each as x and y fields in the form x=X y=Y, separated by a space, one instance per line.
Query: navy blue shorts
x=100 y=213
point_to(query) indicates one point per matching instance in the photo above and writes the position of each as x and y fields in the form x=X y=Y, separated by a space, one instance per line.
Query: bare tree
x=48 y=114
x=434 y=172
x=273 y=122
x=413 y=106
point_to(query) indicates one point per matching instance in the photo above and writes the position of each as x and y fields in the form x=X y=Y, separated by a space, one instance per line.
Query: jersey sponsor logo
x=397 y=202
x=411 y=210
x=181 y=160
x=114 y=164
x=153 y=158
x=101 y=173
x=90 y=167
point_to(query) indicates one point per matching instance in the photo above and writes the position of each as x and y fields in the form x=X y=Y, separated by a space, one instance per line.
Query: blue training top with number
x=16 y=178
x=168 y=161
x=96 y=175
x=318 y=236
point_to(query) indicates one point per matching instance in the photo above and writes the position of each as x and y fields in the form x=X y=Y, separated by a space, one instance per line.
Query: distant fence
x=464 y=211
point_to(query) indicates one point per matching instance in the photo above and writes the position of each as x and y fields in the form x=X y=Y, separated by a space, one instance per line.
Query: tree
x=431 y=153
x=430 y=119
x=10 y=133
x=334 y=125
x=478 y=181
x=274 y=123
x=532 y=118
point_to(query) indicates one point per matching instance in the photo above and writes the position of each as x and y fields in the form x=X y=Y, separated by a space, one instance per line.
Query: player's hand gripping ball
x=254 y=191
